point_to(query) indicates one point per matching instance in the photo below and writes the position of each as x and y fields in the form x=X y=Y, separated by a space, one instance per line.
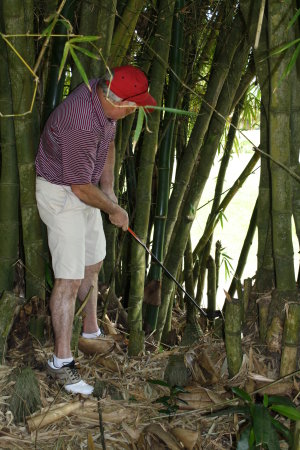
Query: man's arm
x=107 y=177
x=93 y=196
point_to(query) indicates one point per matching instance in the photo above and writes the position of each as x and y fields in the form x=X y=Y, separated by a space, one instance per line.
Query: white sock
x=92 y=335
x=59 y=362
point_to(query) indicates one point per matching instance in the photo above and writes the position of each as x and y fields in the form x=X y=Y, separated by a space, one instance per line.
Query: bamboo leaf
x=80 y=67
x=294 y=19
x=292 y=62
x=242 y=394
x=283 y=430
x=172 y=110
x=63 y=59
x=284 y=47
x=139 y=126
x=287 y=411
x=251 y=438
x=47 y=31
x=86 y=52
x=266 y=400
x=164 y=399
x=178 y=389
x=49 y=276
x=66 y=24
x=279 y=400
x=262 y=427
x=84 y=39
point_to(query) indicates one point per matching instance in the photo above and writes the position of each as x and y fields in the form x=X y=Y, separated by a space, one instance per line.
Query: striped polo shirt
x=74 y=144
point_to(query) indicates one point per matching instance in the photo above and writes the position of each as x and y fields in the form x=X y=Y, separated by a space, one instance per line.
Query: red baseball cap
x=130 y=83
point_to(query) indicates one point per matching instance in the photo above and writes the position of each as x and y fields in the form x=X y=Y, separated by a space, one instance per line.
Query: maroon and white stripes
x=74 y=143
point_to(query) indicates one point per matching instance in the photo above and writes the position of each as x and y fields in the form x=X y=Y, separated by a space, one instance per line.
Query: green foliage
x=70 y=49
x=250 y=114
x=263 y=429
x=170 y=402
x=225 y=259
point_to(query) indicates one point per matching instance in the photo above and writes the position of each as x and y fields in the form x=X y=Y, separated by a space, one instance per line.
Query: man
x=75 y=177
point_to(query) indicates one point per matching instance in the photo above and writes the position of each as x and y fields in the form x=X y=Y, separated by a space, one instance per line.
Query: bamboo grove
x=202 y=58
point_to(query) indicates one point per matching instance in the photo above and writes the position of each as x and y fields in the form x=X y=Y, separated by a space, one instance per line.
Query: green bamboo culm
x=9 y=180
x=211 y=289
x=124 y=31
x=55 y=88
x=192 y=330
x=233 y=340
x=200 y=171
x=200 y=266
x=246 y=296
x=26 y=135
x=147 y=160
x=265 y=276
x=244 y=252
x=217 y=261
x=281 y=182
x=164 y=163
x=222 y=59
x=136 y=342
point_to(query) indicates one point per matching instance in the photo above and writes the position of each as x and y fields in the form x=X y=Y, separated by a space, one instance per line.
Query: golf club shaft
x=166 y=271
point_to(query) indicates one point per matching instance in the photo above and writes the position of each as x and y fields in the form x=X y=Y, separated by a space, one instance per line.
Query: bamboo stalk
x=233 y=340
x=147 y=160
x=247 y=294
x=244 y=252
x=211 y=289
x=263 y=311
x=164 y=159
x=290 y=339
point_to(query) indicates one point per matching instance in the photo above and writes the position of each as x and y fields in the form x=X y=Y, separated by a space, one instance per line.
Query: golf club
x=167 y=272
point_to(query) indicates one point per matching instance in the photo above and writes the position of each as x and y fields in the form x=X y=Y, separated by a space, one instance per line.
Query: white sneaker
x=68 y=374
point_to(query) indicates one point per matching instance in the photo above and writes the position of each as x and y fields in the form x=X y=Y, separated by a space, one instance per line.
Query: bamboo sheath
x=233 y=340
x=48 y=416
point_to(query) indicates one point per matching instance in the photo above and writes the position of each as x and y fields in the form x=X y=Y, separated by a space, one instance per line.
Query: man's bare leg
x=62 y=306
x=90 y=324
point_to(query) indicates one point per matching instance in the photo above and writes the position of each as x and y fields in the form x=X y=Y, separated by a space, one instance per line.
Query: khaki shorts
x=75 y=231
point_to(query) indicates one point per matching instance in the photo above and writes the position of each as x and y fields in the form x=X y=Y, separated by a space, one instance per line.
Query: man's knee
x=93 y=269
x=67 y=287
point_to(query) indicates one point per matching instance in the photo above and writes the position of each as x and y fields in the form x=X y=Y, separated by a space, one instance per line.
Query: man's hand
x=119 y=217
x=93 y=196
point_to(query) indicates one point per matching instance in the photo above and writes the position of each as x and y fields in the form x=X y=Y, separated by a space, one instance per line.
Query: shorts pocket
x=51 y=197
